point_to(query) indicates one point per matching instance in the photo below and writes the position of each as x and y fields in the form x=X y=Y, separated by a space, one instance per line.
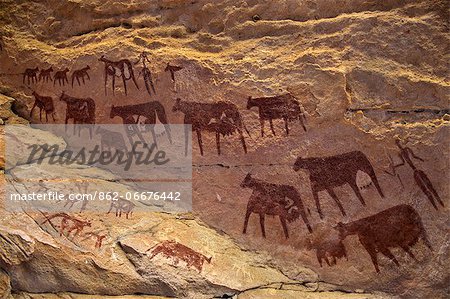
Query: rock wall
x=371 y=83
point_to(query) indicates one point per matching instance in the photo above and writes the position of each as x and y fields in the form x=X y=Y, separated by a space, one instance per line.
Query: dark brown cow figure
x=30 y=75
x=43 y=103
x=399 y=226
x=284 y=107
x=327 y=173
x=110 y=139
x=150 y=111
x=222 y=118
x=61 y=76
x=270 y=199
x=46 y=75
x=80 y=74
x=81 y=110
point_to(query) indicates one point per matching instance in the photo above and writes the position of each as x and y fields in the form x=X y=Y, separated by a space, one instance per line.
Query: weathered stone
x=366 y=74
x=5 y=286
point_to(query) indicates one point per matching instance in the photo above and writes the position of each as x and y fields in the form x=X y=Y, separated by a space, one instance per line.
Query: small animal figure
x=200 y=115
x=284 y=107
x=327 y=173
x=81 y=110
x=46 y=75
x=122 y=205
x=110 y=139
x=178 y=251
x=271 y=199
x=43 y=103
x=98 y=238
x=61 y=76
x=68 y=222
x=150 y=111
x=30 y=75
x=122 y=68
x=172 y=69
x=80 y=74
x=399 y=226
x=333 y=249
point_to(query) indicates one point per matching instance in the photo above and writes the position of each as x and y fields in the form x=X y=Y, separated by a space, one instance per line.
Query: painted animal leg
x=130 y=139
x=408 y=251
x=316 y=199
x=271 y=126
x=389 y=254
x=373 y=254
x=333 y=260
x=357 y=192
x=167 y=129
x=106 y=77
x=336 y=199
x=244 y=145
x=133 y=78
x=187 y=130
x=63 y=227
x=319 y=259
x=218 y=142
x=374 y=179
x=82 y=79
x=285 y=229
x=114 y=83
x=124 y=83
x=261 y=223
x=199 y=139
x=31 y=112
x=65 y=79
x=23 y=78
x=78 y=80
x=140 y=135
x=247 y=216
x=40 y=114
x=419 y=180
x=286 y=126
x=261 y=121
x=155 y=141
x=300 y=118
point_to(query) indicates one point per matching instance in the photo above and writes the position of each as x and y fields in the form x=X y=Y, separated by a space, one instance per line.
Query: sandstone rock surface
x=367 y=74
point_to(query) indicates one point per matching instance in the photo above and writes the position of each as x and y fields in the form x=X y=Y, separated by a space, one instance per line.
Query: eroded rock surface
x=370 y=77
